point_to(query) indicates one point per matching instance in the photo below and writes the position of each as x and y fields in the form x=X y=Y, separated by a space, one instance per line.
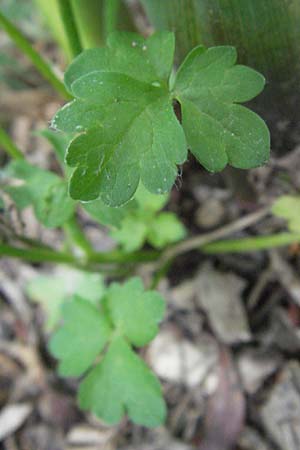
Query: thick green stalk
x=9 y=146
x=40 y=63
x=88 y=16
x=251 y=243
x=51 y=15
x=70 y=27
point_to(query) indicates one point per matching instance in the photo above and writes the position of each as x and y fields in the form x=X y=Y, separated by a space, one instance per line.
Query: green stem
x=40 y=63
x=36 y=254
x=88 y=16
x=9 y=146
x=76 y=236
x=110 y=15
x=70 y=27
x=252 y=243
x=119 y=257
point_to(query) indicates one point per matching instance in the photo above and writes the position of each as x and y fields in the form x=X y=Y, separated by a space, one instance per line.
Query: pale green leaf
x=165 y=229
x=288 y=207
x=120 y=384
x=47 y=192
x=135 y=313
x=131 y=234
x=51 y=291
x=81 y=339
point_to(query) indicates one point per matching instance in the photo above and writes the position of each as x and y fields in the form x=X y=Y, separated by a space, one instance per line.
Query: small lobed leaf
x=218 y=131
x=288 y=208
x=51 y=291
x=135 y=313
x=132 y=233
x=82 y=337
x=123 y=383
x=47 y=192
x=165 y=229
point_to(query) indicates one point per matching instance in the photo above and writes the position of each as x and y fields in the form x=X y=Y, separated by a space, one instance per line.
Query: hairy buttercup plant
x=119 y=148
x=127 y=129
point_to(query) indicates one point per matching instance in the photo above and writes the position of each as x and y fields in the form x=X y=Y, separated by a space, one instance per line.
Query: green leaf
x=166 y=229
x=132 y=233
x=47 y=192
x=81 y=339
x=53 y=290
x=135 y=313
x=123 y=383
x=55 y=207
x=107 y=215
x=150 y=203
x=126 y=53
x=288 y=207
x=123 y=108
x=122 y=100
x=218 y=131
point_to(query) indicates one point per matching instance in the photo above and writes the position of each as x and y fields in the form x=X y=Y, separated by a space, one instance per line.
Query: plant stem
x=70 y=27
x=40 y=63
x=250 y=244
x=9 y=146
x=119 y=257
x=76 y=236
x=110 y=15
x=88 y=15
x=36 y=254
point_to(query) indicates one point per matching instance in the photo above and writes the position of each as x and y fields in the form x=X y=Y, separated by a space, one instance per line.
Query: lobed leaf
x=165 y=230
x=51 y=291
x=47 y=192
x=288 y=207
x=82 y=337
x=218 y=131
x=123 y=383
x=135 y=313
x=123 y=109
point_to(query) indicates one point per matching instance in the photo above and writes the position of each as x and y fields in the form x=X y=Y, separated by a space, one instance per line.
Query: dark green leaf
x=217 y=130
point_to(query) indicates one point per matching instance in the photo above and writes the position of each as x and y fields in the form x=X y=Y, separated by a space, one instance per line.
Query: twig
x=199 y=241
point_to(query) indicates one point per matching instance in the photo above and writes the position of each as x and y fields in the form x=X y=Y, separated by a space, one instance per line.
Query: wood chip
x=219 y=295
x=281 y=412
